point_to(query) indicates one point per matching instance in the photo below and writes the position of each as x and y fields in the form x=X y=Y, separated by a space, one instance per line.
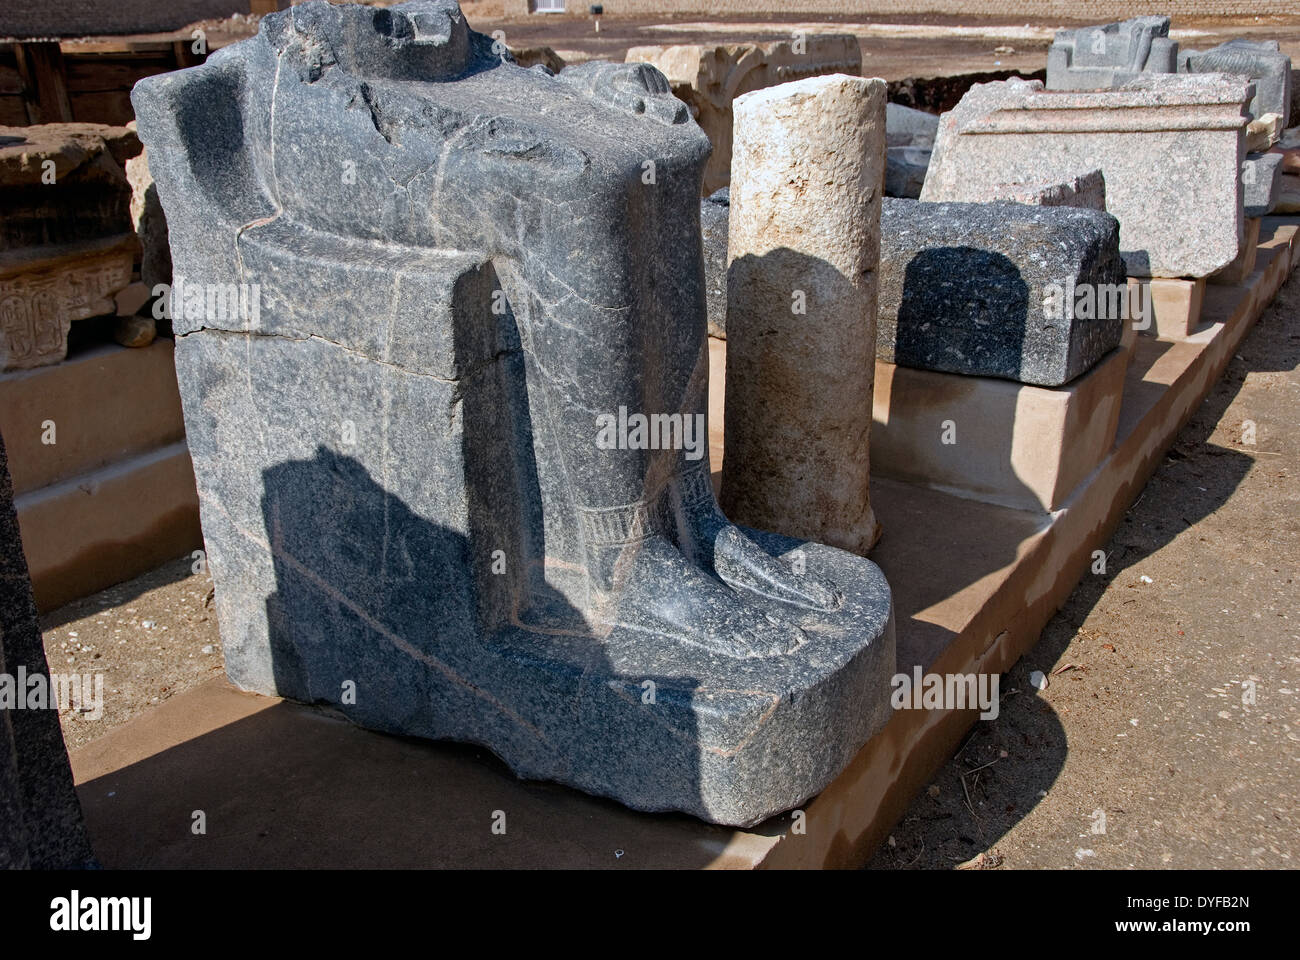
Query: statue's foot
x=635 y=87
x=659 y=591
x=741 y=563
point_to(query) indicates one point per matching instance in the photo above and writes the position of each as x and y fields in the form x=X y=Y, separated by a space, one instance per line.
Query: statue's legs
x=618 y=321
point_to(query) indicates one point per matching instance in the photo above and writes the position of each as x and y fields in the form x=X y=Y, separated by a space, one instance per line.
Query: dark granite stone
x=40 y=816
x=1261 y=181
x=1110 y=55
x=963 y=288
x=1259 y=60
x=715 y=214
x=461 y=265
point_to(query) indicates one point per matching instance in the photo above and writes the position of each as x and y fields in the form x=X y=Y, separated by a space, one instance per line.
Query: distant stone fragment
x=909 y=136
x=908 y=127
x=1261 y=178
x=715 y=212
x=709 y=77
x=1110 y=55
x=538 y=56
x=905 y=169
x=1259 y=61
x=1169 y=148
x=40 y=817
x=1027 y=293
x=1263 y=132
x=149 y=222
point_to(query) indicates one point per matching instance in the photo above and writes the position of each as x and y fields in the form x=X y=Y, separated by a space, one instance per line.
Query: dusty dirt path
x=1146 y=729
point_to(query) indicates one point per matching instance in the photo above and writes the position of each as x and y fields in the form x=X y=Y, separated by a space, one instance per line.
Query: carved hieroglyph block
x=41 y=295
x=709 y=78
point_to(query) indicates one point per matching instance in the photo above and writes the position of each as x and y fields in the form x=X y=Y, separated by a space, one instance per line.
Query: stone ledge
x=975 y=583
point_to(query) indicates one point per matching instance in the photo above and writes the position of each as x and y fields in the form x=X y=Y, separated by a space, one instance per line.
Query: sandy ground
x=1145 y=730
x=151 y=638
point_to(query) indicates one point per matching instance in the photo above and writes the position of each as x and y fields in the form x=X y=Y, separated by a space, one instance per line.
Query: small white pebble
x=207 y=648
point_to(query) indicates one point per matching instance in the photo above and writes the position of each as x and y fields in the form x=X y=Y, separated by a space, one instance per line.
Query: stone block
x=1026 y=293
x=1169 y=147
x=1012 y=444
x=44 y=289
x=1175 y=306
x=63 y=183
x=710 y=77
x=1261 y=179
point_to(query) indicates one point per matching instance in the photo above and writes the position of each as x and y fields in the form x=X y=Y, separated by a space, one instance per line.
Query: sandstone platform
x=974 y=583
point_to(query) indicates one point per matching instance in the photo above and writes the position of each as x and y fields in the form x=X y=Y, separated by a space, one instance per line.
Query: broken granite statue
x=453 y=471
x=1035 y=294
x=40 y=817
x=1110 y=55
x=1260 y=61
x=801 y=309
x=1169 y=147
x=708 y=78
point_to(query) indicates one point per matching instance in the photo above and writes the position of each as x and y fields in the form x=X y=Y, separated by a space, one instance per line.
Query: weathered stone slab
x=908 y=127
x=40 y=817
x=709 y=77
x=1110 y=55
x=44 y=289
x=1259 y=61
x=65 y=242
x=1169 y=147
x=63 y=183
x=422 y=500
x=801 y=304
x=1027 y=293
